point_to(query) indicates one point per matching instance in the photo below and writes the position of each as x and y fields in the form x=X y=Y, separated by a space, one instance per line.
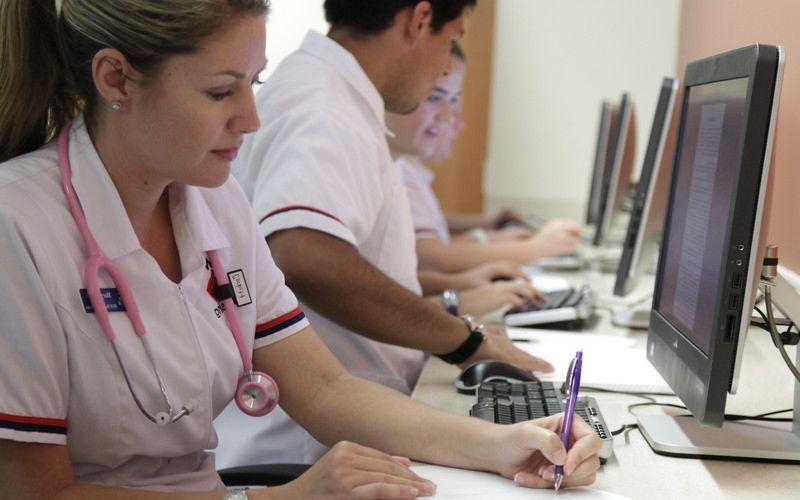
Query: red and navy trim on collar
x=33 y=424
x=299 y=207
x=280 y=323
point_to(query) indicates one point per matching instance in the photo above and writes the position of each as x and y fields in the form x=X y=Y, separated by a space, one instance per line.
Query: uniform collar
x=417 y=167
x=191 y=213
x=196 y=229
x=344 y=63
x=98 y=196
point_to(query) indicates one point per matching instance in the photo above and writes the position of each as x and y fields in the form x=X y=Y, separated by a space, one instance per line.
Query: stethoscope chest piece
x=256 y=394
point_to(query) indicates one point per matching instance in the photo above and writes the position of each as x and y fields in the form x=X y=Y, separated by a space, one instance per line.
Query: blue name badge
x=110 y=297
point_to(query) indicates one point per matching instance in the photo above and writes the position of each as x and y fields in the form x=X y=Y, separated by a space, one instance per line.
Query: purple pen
x=566 y=430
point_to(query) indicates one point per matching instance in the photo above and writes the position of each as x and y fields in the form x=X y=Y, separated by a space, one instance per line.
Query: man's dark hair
x=369 y=17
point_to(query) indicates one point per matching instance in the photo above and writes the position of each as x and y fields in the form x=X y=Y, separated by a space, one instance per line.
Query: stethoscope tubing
x=97 y=260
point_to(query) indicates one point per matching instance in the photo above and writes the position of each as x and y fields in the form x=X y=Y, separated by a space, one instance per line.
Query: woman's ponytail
x=36 y=99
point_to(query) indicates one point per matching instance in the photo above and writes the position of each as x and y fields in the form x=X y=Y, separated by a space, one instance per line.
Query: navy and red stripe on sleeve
x=33 y=424
x=280 y=323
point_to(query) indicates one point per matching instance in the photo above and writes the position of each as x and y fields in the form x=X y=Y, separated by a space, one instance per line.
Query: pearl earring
x=116 y=105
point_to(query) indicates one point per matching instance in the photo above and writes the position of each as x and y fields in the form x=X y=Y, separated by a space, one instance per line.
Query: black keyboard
x=569 y=297
x=506 y=402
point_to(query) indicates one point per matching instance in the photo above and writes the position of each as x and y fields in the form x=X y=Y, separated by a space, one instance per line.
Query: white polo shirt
x=60 y=382
x=321 y=161
x=426 y=212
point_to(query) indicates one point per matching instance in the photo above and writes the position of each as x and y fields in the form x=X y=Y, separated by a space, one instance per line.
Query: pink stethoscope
x=256 y=393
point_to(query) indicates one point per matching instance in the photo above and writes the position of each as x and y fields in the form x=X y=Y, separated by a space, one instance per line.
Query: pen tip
x=559 y=478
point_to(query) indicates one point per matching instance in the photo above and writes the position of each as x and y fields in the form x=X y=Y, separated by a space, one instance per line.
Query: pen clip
x=565 y=387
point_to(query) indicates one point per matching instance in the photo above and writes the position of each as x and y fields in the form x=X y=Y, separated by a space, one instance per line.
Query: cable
x=776 y=337
x=656 y=403
x=612 y=391
x=624 y=428
x=765 y=326
x=762 y=417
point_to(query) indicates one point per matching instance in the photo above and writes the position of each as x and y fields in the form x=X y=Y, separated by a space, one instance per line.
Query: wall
x=459 y=181
x=553 y=63
x=288 y=22
x=714 y=26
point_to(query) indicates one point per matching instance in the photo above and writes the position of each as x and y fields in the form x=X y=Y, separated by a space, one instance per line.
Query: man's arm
x=330 y=276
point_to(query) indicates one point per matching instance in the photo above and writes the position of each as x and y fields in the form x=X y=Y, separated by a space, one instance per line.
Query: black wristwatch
x=469 y=346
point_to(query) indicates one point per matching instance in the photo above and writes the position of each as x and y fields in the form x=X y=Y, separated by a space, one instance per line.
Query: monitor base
x=636 y=317
x=749 y=441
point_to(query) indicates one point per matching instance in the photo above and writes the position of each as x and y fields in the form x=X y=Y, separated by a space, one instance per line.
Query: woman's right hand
x=485 y=299
x=352 y=471
x=486 y=274
x=557 y=237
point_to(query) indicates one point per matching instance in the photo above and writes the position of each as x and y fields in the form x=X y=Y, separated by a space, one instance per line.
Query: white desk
x=635 y=470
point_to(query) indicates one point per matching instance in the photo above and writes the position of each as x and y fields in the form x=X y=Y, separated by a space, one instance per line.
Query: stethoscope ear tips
x=162 y=418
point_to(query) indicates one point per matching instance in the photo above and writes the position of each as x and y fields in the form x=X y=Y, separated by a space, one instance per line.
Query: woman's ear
x=112 y=73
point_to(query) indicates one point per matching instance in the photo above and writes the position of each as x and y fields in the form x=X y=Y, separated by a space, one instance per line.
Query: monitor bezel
x=600 y=157
x=631 y=262
x=703 y=381
x=613 y=171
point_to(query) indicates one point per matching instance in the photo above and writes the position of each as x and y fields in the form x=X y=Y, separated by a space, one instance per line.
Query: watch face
x=236 y=495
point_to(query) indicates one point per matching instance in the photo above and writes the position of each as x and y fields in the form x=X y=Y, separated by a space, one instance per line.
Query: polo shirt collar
x=326 y=49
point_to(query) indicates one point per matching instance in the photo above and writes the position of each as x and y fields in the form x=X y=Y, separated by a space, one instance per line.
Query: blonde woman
x=137 y=290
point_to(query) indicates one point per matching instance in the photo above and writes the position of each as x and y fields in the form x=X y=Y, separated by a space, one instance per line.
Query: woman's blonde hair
x=47 y=48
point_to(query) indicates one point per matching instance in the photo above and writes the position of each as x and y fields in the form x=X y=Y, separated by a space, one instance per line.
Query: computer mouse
x=471 y=377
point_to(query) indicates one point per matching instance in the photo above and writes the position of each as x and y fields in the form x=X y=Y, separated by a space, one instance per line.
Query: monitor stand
x=756 y=441
x=745 y=440
x=636 y=317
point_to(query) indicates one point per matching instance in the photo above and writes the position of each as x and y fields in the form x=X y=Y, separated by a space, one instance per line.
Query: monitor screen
x=707 y=169
x=640 y=247
x=617 y=172
x=600 y=157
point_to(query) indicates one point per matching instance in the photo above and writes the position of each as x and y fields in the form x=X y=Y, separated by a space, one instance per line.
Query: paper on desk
x=459 y=483
x=609 y=362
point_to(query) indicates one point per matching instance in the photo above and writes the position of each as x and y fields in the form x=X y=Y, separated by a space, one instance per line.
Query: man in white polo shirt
x=335 y=215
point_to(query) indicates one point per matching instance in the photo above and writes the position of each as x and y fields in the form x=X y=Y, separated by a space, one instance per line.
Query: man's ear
x=111 y=72
x=419 y=21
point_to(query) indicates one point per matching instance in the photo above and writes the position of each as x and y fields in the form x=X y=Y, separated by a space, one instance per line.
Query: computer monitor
x=640 y=246
x=710 y=262
x=617 y=173
x=607 y=116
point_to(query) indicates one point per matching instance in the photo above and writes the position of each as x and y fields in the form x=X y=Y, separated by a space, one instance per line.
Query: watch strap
x=469 y=346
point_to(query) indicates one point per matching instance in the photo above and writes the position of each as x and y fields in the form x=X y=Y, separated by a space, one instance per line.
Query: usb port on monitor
x=736 y=280
x=730 y=328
